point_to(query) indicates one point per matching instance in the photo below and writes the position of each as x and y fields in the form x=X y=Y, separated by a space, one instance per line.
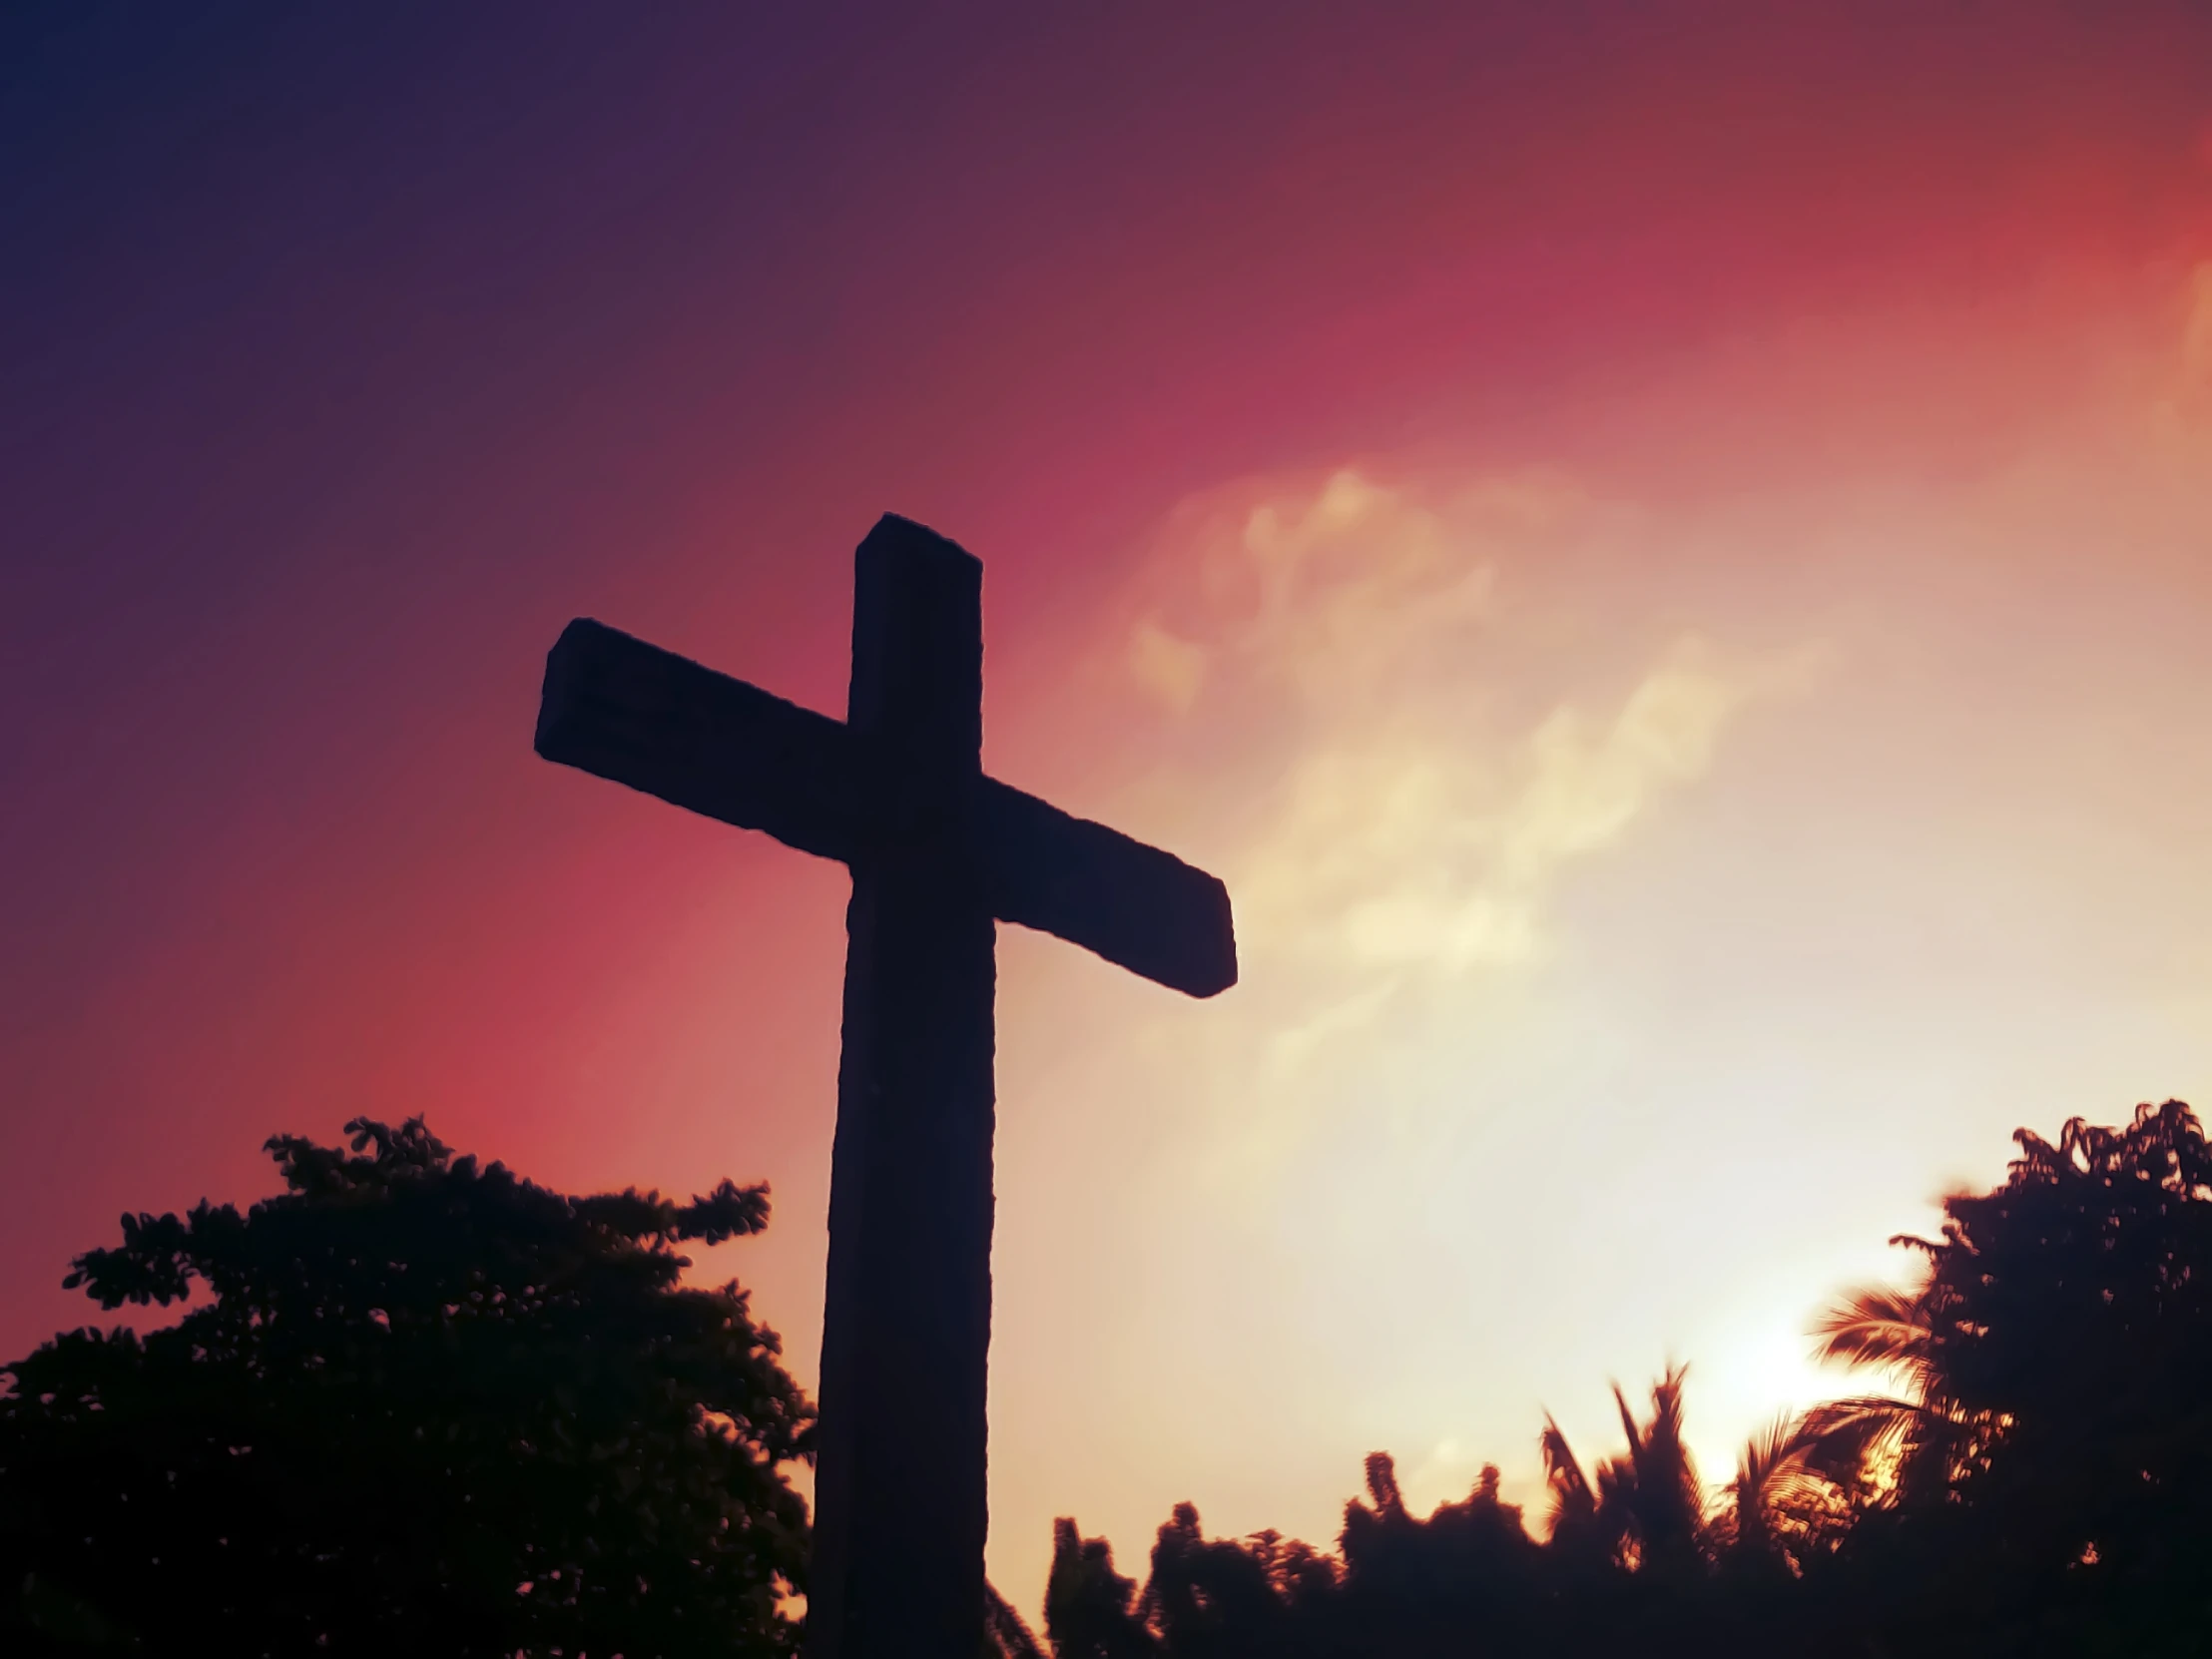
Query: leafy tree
x=1230 y=1598
x=412 y=1405
x=2053 y=1454
x=1429 y=1583
x=1091 y=1610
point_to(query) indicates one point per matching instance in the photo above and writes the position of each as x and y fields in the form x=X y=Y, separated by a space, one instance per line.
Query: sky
x=1662 y=551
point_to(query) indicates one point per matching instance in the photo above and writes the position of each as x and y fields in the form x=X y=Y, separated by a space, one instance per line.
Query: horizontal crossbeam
x=634 y=714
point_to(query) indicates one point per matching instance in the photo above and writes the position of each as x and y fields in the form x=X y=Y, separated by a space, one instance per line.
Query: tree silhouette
x=413 y=1405
x=1091 y=1610
x=1788 y=1503
x=1909 y=1445
x=2055 y=1458
x=416 y=1404
x=2036 y=1478
x=1467 y=1567
x=1646 y=1510
x=1006 y=1634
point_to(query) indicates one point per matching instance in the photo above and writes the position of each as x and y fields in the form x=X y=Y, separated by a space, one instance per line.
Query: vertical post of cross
x=901 y=1492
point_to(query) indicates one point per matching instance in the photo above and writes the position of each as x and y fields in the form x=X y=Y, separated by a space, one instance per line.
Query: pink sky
x=1664 y=560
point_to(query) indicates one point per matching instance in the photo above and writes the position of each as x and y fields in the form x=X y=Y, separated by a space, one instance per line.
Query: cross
x=939 y=852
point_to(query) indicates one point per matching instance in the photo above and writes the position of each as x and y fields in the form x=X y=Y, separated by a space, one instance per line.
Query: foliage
x=2053 y=1441
x=413 y=1404
x=1006 y=1634
x=1468 y=1573
x=2037 y=1478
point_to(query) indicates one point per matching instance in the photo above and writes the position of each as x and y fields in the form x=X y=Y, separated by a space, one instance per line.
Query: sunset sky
x=1664 y=552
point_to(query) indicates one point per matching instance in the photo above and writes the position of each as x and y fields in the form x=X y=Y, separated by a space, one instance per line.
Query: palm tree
x=1575 y=1526
x=1885 y=1446
x=1771 y=1460
x=1646 y=1510
x=1784 y=1503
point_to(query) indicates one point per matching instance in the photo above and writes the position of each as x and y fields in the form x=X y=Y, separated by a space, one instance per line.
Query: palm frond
x=1766 y=1457
x=1880 y=1327
x=1572 y=1501
x=1850 y=1440
x=1780 y=1469
x=1658 y=1456
x=1006 y=1634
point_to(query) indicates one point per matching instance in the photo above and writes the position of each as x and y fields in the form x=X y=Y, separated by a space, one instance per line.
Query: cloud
x=1417 y=848
x=1348 y=634
x=1168 y=669
x=1403 y=719
x=1322 y=595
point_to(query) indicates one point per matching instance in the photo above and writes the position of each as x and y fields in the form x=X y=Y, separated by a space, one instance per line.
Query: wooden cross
x=937 y=851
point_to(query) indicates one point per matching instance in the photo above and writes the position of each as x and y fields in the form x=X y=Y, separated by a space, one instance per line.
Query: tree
x=1468 y=1571
x=412 y=1405
x=1646 y=1509
x=1006 y=1634
x=1091 y=1610
x=2036 y=1480
x=1787 y=1503
x=2053 y=1456
x=1909 y=1445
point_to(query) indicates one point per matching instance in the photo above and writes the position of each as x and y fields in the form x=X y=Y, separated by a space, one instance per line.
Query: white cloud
x=1426 y=847
x=1395 y=823
x=1323 y=595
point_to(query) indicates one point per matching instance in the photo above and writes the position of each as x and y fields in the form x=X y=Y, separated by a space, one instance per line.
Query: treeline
x=416 y=1404
x=2034 y=1476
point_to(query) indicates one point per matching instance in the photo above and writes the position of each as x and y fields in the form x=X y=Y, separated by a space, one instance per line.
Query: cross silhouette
x=938 y=852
